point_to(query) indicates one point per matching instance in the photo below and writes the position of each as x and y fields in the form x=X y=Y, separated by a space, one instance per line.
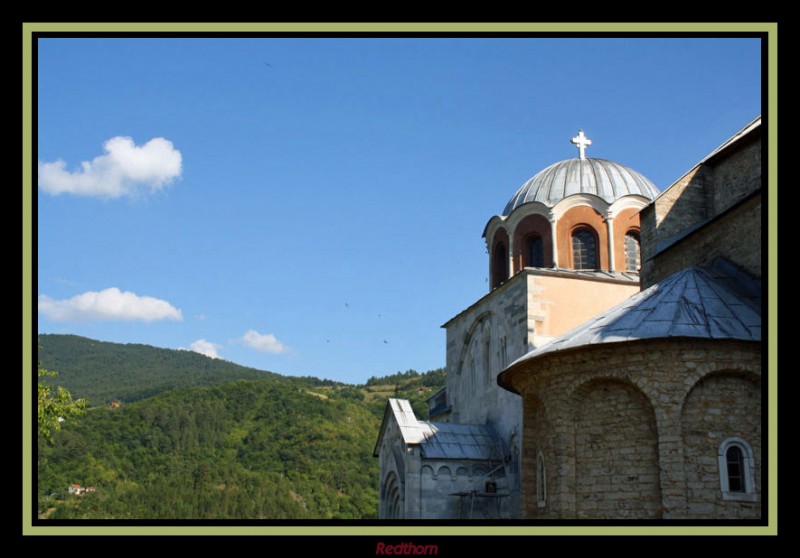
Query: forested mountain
x=103 y=372
x=272 y=447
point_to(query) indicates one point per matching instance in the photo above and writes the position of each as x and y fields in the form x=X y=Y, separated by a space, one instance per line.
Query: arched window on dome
x=499 y=264
x=534 y=251
x=584 y=249
x=633 y=252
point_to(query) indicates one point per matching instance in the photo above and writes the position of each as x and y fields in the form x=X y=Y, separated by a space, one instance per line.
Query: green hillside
x=274 y=447
x=103 y=372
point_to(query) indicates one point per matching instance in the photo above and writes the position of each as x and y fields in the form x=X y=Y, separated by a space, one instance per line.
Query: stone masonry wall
x=442 y=480
x=536 y=427
x=663 y=372
x=719 y=407
x=677 y=208
x=707 y=191
x=499 y=323
x=735 y=237
x=616 y=453
x=737 y=176
x=391 y=463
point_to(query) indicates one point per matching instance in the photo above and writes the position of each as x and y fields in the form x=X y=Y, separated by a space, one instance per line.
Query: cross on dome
x=582 y=142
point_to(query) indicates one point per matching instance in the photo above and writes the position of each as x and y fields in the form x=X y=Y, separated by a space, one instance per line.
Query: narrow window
x=535 y=251
x=584 y=250
x=541 y=481
x=633 y=257
x=737 y=470
x=499 y=265
x=735 y=463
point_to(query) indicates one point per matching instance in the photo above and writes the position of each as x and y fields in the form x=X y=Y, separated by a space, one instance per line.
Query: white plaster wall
x=501 y=322
x=498 y=320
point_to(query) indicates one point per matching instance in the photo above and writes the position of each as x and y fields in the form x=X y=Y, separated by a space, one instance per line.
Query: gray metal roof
x=600 y=177
x=446 y=440
x=443 y=440
x=709 y=303
x=410 y=427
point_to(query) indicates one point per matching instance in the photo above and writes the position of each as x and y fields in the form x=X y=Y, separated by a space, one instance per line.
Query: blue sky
x=315 y=206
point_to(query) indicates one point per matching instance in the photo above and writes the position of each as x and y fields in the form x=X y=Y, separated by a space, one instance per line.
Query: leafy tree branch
x=54 y=406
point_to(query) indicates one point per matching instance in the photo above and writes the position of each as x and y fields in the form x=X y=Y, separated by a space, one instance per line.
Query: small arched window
x=584 y=249
x=535 y=251
x=633 y=257
x=734 y=460
x=736 y=470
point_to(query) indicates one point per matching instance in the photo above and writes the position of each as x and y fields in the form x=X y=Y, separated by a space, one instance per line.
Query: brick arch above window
x=625 y=221
x=531 y=231
x=581 y=218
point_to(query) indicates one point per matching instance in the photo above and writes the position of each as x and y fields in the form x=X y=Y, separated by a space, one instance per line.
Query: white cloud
x=205 y=348
x=107 y=305
x=265 y=343
x=124 y=170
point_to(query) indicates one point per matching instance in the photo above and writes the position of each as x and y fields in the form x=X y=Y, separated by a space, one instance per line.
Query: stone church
x=613 y=371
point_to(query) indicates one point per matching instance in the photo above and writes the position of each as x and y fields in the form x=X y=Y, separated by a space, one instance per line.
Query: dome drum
x=580 y=213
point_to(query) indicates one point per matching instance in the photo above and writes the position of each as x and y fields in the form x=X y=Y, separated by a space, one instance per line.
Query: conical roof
x=696 y=302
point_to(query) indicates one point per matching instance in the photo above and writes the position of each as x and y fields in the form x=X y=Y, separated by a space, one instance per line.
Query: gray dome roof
x=605 y=179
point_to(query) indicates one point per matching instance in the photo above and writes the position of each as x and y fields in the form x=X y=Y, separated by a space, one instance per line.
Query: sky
x=315 y=206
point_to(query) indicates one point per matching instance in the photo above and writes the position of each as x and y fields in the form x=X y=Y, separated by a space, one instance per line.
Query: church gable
x=440 y=470
x=399 y=417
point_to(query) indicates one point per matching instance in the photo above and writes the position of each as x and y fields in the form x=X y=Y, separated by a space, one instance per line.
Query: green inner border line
x=770 y=29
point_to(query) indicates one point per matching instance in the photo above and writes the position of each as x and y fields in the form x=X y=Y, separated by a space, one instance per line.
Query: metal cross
x=582 y=142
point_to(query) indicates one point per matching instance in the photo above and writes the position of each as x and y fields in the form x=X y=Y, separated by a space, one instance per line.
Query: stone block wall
x=737 y=176
x=718 y=408
x=481 y=341
x=616 y=453
x=586 y=409
x=707 y=192
x=442 y=480
x=683 y=204
x=394 y=501
x=537 y=444
x=736 y=237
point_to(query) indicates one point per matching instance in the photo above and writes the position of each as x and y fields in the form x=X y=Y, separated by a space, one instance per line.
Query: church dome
x=600 y=177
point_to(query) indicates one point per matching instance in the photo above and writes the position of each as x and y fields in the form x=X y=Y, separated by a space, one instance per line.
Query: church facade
x=566 y=247
x=613 y=371
x=652 y=409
